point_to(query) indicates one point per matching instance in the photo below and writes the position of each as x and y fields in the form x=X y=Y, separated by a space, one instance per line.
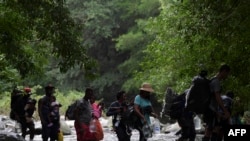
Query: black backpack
x=70 y=112
x=169 y=97
x=129 y=117
x=199 y=95
x=177 y=106
x=16 y=104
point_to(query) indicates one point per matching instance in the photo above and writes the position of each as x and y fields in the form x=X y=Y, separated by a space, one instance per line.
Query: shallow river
x=111 y=136
x=108 y=134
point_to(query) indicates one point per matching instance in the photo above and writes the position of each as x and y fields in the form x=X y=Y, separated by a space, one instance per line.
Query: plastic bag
x=147 y=132
x=157 y=127
x=92 y=126
x=197 y=123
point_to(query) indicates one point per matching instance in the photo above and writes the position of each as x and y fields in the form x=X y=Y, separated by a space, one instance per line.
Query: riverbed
x=109 y=135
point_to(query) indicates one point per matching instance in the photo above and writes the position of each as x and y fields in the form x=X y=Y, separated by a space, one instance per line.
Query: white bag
x=157 y=126
x=146 y=129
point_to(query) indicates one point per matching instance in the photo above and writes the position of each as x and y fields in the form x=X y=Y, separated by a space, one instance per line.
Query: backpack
x=177 y=106
x=16 y=104
x=199 y=95
x=129 y=117
x=169 y=98
x=70 y=112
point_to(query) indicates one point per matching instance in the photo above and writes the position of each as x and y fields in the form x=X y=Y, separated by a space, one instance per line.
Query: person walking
x=216 y=104
x=96 y=114
x=116 y=110
x=29 y=109
x=83 y=117
x=143 y=108
x=25 y=107
x=186 y=121
x=44 y=111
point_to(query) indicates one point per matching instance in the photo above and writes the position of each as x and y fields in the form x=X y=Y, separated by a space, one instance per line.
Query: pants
x=138 y=126
x=123 y=133
x=187 y=126
x=50 y=132
x=25 y=125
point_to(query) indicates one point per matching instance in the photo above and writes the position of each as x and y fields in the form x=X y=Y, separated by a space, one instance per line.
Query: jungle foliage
x=113 y=44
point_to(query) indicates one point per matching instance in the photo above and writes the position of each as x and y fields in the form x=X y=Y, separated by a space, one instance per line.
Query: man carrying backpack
x=194 y=100
x=186 y=120
x=116 y=110
x=211 y=115
x=16 y=95
x=29 y=111
x=199 y=94
x=19 y=108
x=44 y=110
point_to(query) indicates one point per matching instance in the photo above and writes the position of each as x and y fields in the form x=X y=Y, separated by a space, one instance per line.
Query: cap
x=27 y=89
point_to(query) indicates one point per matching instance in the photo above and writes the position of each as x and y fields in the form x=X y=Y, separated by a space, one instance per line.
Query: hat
x=49 y=87
x=147 y=87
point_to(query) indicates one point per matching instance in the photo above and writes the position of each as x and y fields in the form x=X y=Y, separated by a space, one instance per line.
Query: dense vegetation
x=113 y=44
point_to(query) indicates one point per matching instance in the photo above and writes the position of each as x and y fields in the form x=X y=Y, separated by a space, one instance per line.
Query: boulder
x=10 y=136
x=173 y=128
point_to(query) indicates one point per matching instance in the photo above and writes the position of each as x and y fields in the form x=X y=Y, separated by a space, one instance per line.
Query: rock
x=10 y=136
x=106 y=122
x=173 y=128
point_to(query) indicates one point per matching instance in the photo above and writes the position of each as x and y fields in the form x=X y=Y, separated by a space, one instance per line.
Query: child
x=96 y=108
x=96 y=114
x=55 y=119
x=54 y=114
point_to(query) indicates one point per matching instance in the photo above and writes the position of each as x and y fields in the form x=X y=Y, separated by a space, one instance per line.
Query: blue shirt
x=142 y=103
